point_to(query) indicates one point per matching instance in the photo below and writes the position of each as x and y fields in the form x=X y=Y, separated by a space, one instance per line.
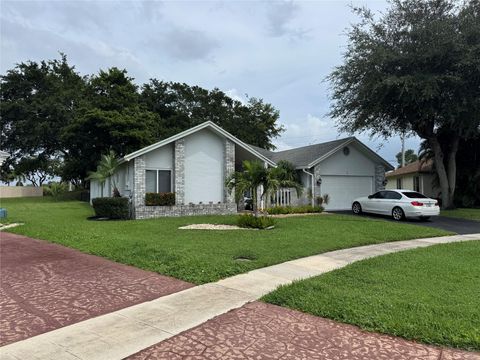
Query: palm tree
x=255 y=176
x=106 y=170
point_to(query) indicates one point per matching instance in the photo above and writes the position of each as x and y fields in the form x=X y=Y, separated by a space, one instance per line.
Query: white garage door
x=344 y=189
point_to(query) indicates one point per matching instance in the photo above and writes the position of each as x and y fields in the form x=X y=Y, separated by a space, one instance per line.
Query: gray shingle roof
x=304 y=155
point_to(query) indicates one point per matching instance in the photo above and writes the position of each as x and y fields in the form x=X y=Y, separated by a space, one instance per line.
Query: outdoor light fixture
x=385 y=182
x=319 y=181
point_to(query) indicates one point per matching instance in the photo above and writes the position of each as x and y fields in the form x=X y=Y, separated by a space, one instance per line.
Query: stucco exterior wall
x=204 y=168
x=426 y=183
x=407 y=182
x=161 y=158
x=355 y=163
x=343 y=177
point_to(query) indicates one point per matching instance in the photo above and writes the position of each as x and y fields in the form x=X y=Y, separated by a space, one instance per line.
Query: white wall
x=161 y=158
x=123 y=179
x=355 y=163
x=204 y=167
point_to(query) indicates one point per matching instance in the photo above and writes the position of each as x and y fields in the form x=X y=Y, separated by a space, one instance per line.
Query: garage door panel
x=344 y=189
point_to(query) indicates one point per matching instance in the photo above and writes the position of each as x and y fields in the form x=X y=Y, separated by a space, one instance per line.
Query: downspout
x=313 y=186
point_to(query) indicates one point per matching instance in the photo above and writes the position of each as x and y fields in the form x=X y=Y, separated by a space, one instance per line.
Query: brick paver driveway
x=46 y=286
x=263 y=331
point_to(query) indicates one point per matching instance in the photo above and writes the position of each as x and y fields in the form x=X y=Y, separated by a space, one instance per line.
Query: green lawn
x=471 y=214
x=430 y=295
x=199 y=256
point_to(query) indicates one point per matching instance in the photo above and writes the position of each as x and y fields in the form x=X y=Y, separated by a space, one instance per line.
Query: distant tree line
x=57 y=122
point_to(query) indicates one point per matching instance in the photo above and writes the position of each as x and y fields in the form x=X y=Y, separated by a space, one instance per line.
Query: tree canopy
x=56 y=122
x=410 y=157
x=414 y=69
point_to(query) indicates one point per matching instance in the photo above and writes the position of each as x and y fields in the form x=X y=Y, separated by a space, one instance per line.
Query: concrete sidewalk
x=127 y=331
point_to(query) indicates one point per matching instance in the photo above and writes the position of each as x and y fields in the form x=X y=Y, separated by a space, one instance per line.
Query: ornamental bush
x=250 y=221
x=160 y=199
x=277 y=210
x=111 y=207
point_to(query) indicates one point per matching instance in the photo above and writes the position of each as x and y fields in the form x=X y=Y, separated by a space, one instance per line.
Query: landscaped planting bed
x=430 y=295
x=199 y=256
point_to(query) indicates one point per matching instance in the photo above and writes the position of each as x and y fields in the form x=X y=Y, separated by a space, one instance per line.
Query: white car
x=399 y=204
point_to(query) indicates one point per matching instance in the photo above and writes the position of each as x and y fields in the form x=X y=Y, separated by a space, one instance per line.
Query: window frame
x=156 y=177
x=416 y=184
x=399 y=183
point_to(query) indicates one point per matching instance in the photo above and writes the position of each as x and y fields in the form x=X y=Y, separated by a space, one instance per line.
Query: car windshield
x=414 y=195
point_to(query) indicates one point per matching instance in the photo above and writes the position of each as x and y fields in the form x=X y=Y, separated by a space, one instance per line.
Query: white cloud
x=235 y=95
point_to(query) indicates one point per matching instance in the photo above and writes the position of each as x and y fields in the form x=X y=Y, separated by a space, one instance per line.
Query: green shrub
x=112 y=207
x=278 y=210
x=250 y=221
x=160 y=199
x=78 y=195
x=54 y=189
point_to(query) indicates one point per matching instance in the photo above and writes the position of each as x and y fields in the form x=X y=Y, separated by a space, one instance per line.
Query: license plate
x=430 y=205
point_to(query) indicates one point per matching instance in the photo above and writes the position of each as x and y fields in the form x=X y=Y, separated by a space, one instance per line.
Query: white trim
x=192 y=130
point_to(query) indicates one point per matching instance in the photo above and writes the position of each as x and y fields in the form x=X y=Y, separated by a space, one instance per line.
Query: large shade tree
x=37 y=101
x=110 y=119
x=181 y=106
x=414 y=69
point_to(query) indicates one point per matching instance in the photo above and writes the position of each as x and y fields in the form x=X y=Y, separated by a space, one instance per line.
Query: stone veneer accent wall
x=379 y=177
x=147 y=212
x=139 y=181
x=179 y=172
x=229 y=163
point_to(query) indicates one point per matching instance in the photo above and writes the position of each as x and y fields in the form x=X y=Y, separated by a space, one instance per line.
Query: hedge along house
x=192 y=164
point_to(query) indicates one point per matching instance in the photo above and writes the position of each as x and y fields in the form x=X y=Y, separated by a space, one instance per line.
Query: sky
x=280 y=51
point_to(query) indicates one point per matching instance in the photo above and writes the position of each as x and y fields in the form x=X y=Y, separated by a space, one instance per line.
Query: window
x=379 y=195
x=159 y=181
x=392 y=195
x=399 y=183
x=416 y=183
x=414 y=195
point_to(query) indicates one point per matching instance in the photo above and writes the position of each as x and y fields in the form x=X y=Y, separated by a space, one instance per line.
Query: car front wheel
x=397 y=214
x=356 y=208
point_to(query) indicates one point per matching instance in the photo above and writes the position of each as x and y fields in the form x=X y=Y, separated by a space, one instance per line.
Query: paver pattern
x=45 y=286
x=264 y=331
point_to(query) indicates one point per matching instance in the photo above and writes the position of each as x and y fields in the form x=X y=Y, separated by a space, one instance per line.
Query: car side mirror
x=370 y=196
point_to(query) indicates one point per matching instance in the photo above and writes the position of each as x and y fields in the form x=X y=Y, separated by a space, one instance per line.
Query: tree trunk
x=444 y=178
x=452 y=170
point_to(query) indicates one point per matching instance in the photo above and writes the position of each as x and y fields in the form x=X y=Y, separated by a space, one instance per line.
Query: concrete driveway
x=46 y=286
x=459 y=226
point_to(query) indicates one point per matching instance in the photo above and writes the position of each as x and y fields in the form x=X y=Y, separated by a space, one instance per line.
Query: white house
x=417 y=176
x=194 y=164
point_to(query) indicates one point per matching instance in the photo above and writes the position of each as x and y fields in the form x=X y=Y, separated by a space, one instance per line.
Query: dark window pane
x=399 y=183
x=164 y=181
x=378 y=195
x=416 y=183
x=392 y=195
x=151 y=181
x=414 y=195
